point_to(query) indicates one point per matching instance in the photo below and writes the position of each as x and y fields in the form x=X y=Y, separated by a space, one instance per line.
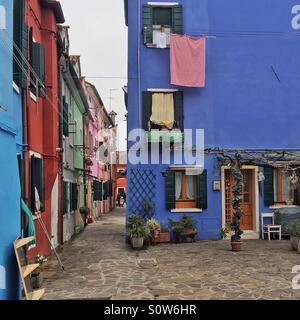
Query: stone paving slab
x=99 y=266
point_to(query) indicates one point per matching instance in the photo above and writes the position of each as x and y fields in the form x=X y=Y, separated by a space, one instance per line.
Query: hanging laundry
x=163 y=110
x=187 y=56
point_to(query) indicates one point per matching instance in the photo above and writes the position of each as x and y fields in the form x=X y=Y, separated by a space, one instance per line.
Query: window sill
x=154 y=46
x=16 y=88
x=279 y=206
x=33 y=97
x=186 y=210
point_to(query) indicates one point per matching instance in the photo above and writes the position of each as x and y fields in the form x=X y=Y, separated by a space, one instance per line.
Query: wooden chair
x=269 y=228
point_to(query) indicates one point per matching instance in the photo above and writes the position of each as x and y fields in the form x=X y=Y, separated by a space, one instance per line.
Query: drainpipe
x=61 y=158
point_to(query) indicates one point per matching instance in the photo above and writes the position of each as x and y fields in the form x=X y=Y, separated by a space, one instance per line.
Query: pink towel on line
x=187 y=61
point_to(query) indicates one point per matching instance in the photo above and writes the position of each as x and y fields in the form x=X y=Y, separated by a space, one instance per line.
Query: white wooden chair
x=269 y=228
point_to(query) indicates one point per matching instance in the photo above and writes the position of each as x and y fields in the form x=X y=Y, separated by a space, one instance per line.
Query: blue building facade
x=10 y=148
x=250 y=103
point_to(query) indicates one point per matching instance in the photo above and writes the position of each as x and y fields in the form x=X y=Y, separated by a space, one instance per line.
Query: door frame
x=255 y=185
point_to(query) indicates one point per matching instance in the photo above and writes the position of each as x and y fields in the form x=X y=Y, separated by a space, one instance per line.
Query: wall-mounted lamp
x=164 y=174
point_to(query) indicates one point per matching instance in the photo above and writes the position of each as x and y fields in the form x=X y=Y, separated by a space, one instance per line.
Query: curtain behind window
x=190 y=190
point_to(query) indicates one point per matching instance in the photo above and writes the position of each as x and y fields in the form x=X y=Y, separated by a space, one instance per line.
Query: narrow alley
x=99 y=266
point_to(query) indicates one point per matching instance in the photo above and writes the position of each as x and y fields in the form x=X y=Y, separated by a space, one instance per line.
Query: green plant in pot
x=137 y=231
x=294 y=231
x=155 y=229
x=189 y=227
x=37 y=275
x=184 y=228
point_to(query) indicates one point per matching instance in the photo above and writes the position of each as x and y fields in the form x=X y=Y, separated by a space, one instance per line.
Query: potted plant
x=185 y=228
x=155 y=228
x=189 y=227
x=236 y=240
x=224 y=233
x=294 y=231
x=164 y=236
x=137 y=231
x=37 y=275
x=177 y=228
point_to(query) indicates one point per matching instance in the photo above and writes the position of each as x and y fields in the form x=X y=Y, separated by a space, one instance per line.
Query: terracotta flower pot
x=236 y=246
x=164 y=237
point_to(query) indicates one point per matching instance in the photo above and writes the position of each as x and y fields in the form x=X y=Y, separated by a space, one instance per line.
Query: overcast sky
x=99 y=35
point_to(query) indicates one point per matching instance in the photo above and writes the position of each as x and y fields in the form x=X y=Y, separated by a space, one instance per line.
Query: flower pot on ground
x=36 y=277
x=155 y=228
x=137 y=231
x=236 y=246
x=184 y=229
x=164 y=236
x=294 y=231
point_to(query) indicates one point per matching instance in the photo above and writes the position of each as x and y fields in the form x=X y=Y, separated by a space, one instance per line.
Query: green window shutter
x=269 y=186
x=37 y=181
x=177 y=18
x=65 y=118
x=95 y=190
x=25 y=52
x=38 y=65
x=42 y=73
x=202 y=202
x=65 y=198
x=105 y=191
x=170 y=191
x=297 y=191
x=178 y=108
x=148 y=24
x=147 y=110
x=74 y=196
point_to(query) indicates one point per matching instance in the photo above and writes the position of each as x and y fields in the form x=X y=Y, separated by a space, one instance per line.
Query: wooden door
x=247 y=201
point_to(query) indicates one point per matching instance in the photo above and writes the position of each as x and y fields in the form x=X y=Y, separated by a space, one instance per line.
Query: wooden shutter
x=37 y=181
x=147 y=110
x=65 y=198
x=148 y=24
x=269 y=186
x=297 y=191
x=32 y=183
x=202 y=202
x=170 y=191
x=38 y=64
x=177 y=20
x=65 y=118
x=74 y=196
x=25 y=52
x=178 y=108
x=105 y=191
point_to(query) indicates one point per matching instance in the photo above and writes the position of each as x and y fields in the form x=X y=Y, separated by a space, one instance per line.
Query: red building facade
x=42 y=121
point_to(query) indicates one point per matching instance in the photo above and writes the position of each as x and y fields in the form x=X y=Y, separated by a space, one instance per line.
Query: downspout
x=61 y=158
x=139 y=64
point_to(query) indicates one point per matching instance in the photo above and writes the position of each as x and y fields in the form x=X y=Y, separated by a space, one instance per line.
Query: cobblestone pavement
x=100 y=266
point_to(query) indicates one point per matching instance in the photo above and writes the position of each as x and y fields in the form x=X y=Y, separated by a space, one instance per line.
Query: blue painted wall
x=10 y=137
x=244 y=104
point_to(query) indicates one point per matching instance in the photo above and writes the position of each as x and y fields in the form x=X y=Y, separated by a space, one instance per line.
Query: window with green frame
x=154 y=17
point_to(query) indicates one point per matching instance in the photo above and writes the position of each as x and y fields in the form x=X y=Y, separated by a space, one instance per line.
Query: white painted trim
x=163 y=4
x=185 y=210
x=36 y=154
x=16 y=87
x=162 y=90
x=256 y=214
x=279 y=206
x=33 y=97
